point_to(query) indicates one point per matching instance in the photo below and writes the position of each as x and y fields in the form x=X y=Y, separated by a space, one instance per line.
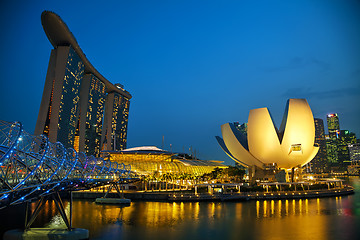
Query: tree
x=166 y=177
x=232 y=173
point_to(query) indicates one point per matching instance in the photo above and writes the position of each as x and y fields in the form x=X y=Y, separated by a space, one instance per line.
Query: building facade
x=332 y=140
x=354 y=152
x=319 y=163
x=346 y=138
x=92 y=102
x=149 y=160
x=60 y=101
x=114 y=133
x=333 y=125
x=77 y=99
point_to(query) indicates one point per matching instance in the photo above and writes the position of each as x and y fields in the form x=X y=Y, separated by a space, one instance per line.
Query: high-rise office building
x=346 y=138
x=332 y=139
x=319 y=163
x=77 y=98
x=241 y=127
x=354 y=152
x=331 y=151
x=333 y=125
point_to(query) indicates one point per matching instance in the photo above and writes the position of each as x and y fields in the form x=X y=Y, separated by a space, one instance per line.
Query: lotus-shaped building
x=290 y=146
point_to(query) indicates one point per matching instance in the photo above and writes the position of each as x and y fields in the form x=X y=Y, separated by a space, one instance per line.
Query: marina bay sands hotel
x=79 y=108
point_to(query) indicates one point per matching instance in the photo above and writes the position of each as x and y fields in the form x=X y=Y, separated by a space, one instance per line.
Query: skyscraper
x=333 y=125
x=77 y=98
x=115 y=122
x=346 y=138
x=332 y=139
x=319 y=163
x=59 y=107
x=331 y=151
x=241 y=127
x=354 y=152
x=92 y=99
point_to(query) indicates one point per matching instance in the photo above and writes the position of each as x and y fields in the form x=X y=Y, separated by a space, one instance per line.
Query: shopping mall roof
x=142 y=150
x=177 y=157
x=198 y=162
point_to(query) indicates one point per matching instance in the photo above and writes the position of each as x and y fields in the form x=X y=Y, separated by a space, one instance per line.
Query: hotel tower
x=79 y=108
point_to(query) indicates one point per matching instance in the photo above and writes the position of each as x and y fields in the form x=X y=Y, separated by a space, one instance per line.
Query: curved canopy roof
x=144 y=148
x=59 y=34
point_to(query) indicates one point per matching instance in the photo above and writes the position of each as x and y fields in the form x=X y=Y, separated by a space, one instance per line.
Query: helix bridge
x=32 y=168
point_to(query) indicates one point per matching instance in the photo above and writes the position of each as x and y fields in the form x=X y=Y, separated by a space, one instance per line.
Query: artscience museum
x=263 y=144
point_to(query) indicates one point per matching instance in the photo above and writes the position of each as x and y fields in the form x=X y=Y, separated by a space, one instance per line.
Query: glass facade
x=94 y=116
x=354 y=152
x=319 y=163
x=241 y=127
x=69 y=99
x=48 y=115
x=331 y=151
x=119 y=124
x=333 y=125
x=346 y=138
x=149 y=163
x=331 y=141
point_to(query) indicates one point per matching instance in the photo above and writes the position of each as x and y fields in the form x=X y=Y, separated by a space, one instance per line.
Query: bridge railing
x=31 y=167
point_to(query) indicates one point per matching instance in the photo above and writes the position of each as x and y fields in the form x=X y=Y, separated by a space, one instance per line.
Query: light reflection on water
x=320 y=219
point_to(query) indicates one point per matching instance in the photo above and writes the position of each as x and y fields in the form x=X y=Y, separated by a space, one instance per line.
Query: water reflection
x=325 y=218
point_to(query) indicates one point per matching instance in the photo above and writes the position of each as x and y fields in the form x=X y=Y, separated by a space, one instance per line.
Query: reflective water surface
x=320 y=219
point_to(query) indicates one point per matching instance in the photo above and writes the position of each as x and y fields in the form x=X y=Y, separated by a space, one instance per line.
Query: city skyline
x=184 y=63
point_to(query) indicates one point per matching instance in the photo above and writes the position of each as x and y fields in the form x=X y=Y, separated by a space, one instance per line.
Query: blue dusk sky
x=192 y=66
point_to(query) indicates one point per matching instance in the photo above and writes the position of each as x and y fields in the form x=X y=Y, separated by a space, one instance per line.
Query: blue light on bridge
x=29 y=156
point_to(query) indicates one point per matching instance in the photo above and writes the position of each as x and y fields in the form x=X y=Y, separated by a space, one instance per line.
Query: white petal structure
x=290 y=146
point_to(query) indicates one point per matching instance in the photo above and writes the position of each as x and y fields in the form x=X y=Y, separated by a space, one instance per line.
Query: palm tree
x=166 y=177
x=156 y=176
x=175 y=177
x=146 y=179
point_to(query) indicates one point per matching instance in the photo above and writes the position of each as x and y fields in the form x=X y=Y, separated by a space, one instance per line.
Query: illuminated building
x=354 y=152
x=59 y=105
x=319 y=163
x=115 y=122
x=289 y=147
x=332 y=140
x=77 y=97
x=149 y=160
x=241 y=127
x=331 y=150
x=333 y=125
x=346 y=138
x=92 y=98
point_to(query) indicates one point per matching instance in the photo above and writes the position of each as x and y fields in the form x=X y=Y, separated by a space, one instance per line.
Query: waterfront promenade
x=188 y=195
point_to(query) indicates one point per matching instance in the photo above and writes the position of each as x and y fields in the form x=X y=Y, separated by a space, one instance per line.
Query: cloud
x=298 y=63
x=334 y=93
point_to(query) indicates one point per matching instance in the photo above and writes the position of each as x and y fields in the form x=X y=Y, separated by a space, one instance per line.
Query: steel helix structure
x=32 y=167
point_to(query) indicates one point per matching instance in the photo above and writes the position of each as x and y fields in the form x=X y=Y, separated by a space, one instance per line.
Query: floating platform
x=113 y=200
x=46 y=233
